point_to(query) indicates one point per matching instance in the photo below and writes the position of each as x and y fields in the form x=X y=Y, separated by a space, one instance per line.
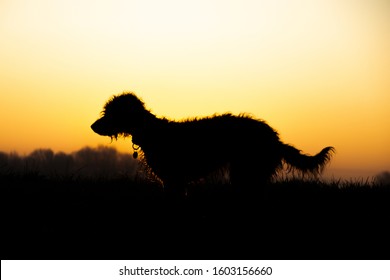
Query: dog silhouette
x=185 y=151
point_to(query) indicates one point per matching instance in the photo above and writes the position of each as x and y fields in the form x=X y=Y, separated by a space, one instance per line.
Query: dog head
x=121 y=115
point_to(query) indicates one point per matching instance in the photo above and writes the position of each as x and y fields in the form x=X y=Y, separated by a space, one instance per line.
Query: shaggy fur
x=181 y=152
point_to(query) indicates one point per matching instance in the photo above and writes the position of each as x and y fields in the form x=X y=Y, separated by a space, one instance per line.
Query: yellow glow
x=316 y=71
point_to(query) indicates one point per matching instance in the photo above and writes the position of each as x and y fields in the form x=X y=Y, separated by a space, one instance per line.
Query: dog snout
x=98 y=127
x=94 y=126
x=101 y=127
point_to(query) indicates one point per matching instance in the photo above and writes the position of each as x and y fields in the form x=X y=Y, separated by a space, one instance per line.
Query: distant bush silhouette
x=181 y=152
x=88 y=163
x=383 y=178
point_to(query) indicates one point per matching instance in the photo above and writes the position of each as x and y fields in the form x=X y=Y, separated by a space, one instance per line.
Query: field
x=66 y=217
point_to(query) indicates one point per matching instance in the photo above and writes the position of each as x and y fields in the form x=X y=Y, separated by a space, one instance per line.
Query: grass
x=72 y=217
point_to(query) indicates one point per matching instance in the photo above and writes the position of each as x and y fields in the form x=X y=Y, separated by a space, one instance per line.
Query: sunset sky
x=317 y=71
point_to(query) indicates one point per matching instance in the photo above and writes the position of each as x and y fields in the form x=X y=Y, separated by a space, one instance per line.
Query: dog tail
x=306 y=163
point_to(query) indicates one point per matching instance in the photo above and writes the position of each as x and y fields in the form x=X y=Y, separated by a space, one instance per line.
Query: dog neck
x=149 y=128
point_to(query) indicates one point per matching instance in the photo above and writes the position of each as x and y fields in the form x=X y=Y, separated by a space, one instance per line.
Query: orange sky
x=317 y=71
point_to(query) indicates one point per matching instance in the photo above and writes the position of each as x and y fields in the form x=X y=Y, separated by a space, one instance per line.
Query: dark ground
x=121 y=219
